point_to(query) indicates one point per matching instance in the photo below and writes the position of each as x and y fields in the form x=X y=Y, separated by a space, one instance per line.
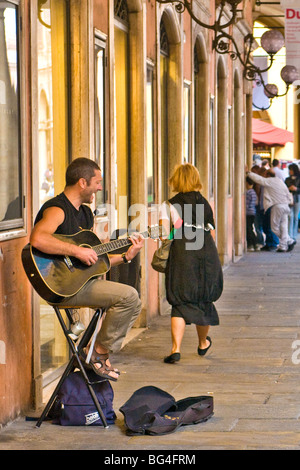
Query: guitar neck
x=115 y=244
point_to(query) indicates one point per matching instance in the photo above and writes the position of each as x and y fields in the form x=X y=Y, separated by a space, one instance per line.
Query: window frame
x=164 y=58
x=187 y=123
x=230 y=146
x=100 y=44
x=17 y=228
x=150 y=73
x=212 y=131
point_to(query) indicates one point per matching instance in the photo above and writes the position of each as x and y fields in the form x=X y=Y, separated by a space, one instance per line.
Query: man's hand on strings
x=86 y=255
x=137 y=241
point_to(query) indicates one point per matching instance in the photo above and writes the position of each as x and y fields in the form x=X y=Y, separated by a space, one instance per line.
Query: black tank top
x=75 y=220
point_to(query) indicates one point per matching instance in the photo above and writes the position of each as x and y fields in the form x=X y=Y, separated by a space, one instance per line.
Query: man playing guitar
x=67 y=214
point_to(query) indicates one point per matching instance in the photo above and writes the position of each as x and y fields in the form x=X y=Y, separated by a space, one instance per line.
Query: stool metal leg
x=67 y=371
x=72 y=364
x=90 y=329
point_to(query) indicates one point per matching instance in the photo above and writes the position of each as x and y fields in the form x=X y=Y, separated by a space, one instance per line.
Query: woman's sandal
x=104 y=369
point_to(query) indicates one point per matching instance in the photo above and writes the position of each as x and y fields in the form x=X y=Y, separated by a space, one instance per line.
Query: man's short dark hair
x=80 y=168
x=275 y=162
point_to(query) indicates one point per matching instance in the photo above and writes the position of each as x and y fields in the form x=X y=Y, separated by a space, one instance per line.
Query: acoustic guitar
x=56 y=277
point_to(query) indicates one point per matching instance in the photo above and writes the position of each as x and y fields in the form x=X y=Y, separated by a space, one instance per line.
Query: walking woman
x=194 y=277
x=293 y=183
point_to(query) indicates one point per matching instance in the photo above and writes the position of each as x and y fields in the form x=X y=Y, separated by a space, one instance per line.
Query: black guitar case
x=153 y=411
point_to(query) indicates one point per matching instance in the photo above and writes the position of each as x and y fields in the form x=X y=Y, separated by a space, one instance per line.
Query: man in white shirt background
x=276 y=196
x=277 y=170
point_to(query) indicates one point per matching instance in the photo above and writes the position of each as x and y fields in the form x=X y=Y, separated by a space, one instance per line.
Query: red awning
x=265 y=133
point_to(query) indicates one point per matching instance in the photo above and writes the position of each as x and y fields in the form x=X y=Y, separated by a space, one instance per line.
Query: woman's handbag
x=161 y=255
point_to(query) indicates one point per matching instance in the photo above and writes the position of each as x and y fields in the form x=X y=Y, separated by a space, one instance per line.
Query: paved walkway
x=252 y=371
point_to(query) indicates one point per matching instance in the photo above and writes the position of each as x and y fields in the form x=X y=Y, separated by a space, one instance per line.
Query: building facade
x=137 y=87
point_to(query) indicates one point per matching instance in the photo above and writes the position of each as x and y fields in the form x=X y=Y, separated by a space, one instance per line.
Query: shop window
x=101 y=196
x=52 y=97
x=187 y=123
x=53 y=147
x=211 y=146
x=196 y=103
x=11 y=188
x=150 y=138
x=121 y=79
x=229 y=153
x=164 y=72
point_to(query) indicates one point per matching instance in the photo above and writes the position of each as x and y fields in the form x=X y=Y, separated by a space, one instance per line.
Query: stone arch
x=201 y=49
x=221 y=68
x=173 y=104
x=137 y=123
x=201 y=111
x=169 y=112
x=237 y=79
x=172 y=25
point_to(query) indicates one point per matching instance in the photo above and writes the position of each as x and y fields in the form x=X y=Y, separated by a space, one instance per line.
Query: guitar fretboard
x=115 y=245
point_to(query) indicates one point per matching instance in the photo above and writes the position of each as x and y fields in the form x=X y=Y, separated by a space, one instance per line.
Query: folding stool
x=75 y=360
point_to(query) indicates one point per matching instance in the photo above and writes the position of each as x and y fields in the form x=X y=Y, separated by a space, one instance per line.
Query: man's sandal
x=104 y=369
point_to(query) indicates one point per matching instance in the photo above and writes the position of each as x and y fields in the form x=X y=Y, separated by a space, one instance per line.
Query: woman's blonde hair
x=185 y=178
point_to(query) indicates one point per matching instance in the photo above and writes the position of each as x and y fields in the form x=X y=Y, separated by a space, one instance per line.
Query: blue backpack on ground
x=153 y=411
x=74 y=405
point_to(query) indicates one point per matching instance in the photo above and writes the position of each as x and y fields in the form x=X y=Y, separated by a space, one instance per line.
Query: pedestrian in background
x=277 y=170
x=265 y=164
x=276 y=197
x=293 y=183
x=259 y=212
x=251 y=202
x=271 y=241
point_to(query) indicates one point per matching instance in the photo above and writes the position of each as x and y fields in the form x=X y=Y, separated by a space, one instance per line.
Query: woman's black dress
x=194 y=278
